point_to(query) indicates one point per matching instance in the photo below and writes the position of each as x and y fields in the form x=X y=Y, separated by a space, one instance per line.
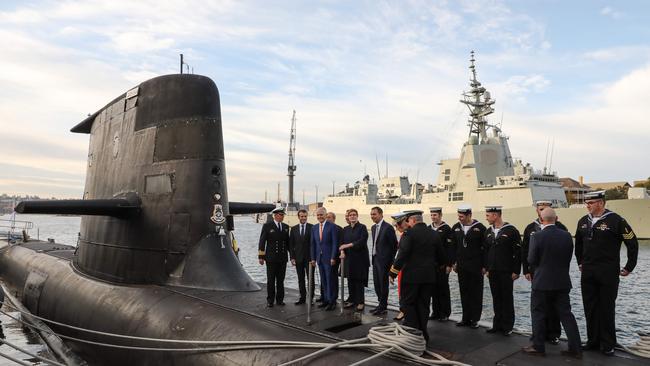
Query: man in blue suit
x=549 y=257
x=384 y=248
x=324 y=249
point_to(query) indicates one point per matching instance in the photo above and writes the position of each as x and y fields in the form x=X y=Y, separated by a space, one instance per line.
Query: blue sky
x=366 y=78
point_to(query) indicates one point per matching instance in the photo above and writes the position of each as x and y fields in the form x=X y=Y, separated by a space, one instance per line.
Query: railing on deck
x=11 y=230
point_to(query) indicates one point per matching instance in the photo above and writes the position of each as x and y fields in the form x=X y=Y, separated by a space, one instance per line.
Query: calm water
x=632 y=303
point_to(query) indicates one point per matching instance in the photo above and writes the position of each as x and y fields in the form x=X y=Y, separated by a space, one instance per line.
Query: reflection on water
x=632 y=302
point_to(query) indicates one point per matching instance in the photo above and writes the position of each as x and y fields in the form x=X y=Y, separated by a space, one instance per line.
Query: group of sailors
x=422 y=256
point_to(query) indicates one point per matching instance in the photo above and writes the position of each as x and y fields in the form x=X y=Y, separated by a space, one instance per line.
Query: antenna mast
x=479 y=103
x=292 y=154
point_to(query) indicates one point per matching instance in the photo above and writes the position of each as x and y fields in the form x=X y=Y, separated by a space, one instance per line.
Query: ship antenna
x=550 y=164
x=548 y=142
x=479 y=102
x=378 y=171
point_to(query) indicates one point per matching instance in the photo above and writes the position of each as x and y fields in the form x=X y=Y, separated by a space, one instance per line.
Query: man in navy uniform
x=553 y=328
x=299 y=241
x=598 y=251
x=419 y=254
x=273 y=250
x=324 y=250
x=549 y=257
x=441 y=302
x=469 y=236
x=384 y=248
x=503 y=264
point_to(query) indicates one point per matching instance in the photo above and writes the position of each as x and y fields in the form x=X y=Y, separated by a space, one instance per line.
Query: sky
x=371 y=82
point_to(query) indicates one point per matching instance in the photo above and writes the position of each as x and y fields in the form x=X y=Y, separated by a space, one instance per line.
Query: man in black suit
x=553 y=327
x=384 y=247
x=299 y=241
x=550 y=255
x=418 y=257
x=273 y=250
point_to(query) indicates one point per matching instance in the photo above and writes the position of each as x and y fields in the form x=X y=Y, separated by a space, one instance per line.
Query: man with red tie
x=324 y=251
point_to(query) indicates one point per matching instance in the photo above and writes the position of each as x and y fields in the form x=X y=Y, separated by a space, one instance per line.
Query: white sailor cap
x=597 y=195
x=399 y=217
x=435 y=209
x=493 y=208
x=464 y=209
x=409 y=213
x=278 y=210
x=543 y=203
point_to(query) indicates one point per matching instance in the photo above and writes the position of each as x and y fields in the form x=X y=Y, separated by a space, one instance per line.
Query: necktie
x=374 y=241
x=302 y=229
x=279 y=226
x=320 y=234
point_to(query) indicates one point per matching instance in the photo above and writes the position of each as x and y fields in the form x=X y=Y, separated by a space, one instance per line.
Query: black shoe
x=608 y=352
x=269 y=304
x=574 y=354
x=323 y=305
x=507 y=333
x=530 y=350
x=473 y=325
x=433 y=317
x=492 y=330
x=330 y=307
x=379 y=312
x=444 y=319
x=299 y=302
x=554 y=341
x=281 y=303
x=320 y=299
x=348 y=305
x=462 y=323
x=589 y=346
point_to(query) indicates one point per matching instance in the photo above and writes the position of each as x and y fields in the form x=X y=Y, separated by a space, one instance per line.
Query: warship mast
x=479 y=103
x=292 y=154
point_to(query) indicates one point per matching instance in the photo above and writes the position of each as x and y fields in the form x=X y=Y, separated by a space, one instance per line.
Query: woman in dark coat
x=357 y=259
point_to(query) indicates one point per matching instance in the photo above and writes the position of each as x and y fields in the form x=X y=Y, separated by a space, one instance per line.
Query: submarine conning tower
x=156 y=152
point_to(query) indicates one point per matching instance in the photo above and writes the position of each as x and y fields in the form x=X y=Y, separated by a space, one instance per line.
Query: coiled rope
x=392 y=338
x=641 y=348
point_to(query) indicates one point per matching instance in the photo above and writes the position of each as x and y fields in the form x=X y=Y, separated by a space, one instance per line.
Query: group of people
x=422 y=256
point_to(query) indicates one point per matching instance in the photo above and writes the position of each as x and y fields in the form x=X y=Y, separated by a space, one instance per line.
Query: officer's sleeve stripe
x=629 y=235
x=394 y=270
x=261 y=252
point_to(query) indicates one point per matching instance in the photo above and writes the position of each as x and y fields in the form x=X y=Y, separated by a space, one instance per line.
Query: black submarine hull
x=50 y=287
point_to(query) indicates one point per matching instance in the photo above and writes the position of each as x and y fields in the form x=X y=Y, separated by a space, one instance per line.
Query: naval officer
x=598 y=250
x=419 y=253
x=401 y=225
x=553 y=328
x=273 y=250
x=441 y=302
x=468 y=235
x=503 y=264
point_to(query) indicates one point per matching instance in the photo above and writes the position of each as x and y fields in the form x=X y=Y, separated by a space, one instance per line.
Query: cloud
x=610 y=12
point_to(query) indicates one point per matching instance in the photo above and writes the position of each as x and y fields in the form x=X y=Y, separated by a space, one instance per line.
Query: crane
x=292 y=156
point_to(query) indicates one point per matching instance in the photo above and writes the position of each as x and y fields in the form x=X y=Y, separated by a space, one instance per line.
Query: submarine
x=154 y=263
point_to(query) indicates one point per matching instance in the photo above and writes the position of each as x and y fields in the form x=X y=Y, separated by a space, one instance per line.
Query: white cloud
x=611 y=12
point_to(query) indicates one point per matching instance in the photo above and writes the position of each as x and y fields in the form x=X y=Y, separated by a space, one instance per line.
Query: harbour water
x=632 y=303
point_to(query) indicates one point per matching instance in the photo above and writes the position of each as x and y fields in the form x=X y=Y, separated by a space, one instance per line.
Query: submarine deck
x=471 y=346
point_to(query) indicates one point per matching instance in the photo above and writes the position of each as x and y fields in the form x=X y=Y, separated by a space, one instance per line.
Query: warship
x=484 y=174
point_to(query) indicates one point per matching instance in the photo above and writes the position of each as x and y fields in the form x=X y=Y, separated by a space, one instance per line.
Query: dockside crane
x=292 y=163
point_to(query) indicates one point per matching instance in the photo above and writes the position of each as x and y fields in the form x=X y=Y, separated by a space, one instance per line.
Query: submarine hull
x=50 y=287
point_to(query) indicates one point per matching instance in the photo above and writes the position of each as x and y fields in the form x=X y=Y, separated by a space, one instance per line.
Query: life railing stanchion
x=310 y=286
x=342 y=284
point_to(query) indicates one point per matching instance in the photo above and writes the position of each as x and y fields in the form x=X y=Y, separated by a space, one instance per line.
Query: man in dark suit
x=324 y=250
x=299 y=242
x=549 y=256
x=384 y=247
x=553 y=327
x=331 y=217
x=419 y=253
x=273 y=250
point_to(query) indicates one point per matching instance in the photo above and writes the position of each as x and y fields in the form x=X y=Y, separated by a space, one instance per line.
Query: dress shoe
x=492 y=330
x=507 y=333
x=299 y=302
x=269 y=304
x=554 y=341
x=323 y=305
x=589 y=346
x=348 y=305
x=360 y=307
x=330 y=307
x=608 y=352
x=462 y=323
x=399 y=316
x=281 y=303
x=444 y=319
x=433 y=316
x=379 y=312
x=574 y=354
x=473 y=325
x=530 y=350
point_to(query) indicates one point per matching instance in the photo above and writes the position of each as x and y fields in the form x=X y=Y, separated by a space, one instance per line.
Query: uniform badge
x=476 y=229
x=272 y=231
x=603 y=226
